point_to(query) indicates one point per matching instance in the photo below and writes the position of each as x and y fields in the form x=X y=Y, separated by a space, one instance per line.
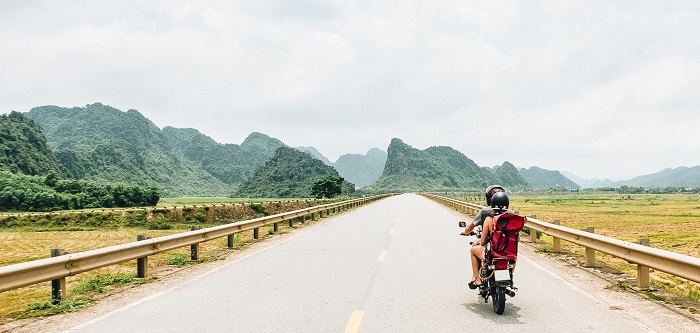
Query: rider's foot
x=474 y=285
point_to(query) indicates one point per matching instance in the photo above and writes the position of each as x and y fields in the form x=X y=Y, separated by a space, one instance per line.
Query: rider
x=484 y=212
x=499 y=203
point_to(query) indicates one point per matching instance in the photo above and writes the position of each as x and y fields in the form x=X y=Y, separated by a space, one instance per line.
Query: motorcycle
x=496 y=274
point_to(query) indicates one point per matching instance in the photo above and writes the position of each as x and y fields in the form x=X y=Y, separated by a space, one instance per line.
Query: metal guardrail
x=42 y=270
x=677 y=264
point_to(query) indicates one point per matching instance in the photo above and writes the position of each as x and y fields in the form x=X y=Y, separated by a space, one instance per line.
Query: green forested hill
x=289 y=173
x=541 y=178
x=32 y=179
x=23 y=148
x=230 y=163
x=507 y=175
x=435 y=168
x=100 y=143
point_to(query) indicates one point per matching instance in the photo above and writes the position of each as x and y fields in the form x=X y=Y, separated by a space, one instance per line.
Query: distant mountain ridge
x=100 y=143
x=541 y=178
x=669 y=177
x=361 y=170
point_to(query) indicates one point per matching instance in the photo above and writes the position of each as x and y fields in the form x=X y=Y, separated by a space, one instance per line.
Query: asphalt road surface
x=397 y=265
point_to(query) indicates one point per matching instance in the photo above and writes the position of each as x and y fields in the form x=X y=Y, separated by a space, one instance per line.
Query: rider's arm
x=486 y=230
x=469 y=228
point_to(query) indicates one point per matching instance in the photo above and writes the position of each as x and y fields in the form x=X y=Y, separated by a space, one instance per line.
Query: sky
x=606 y=89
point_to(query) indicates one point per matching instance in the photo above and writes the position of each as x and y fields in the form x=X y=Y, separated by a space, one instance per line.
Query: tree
x=327 y=187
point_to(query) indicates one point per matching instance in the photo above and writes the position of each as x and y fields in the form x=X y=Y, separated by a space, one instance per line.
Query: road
x=397 y=265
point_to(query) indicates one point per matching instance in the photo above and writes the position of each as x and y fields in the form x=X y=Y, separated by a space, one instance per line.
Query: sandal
x=473 y=285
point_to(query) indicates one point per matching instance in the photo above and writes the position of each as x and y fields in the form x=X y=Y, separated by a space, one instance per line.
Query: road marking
x=354 y=323
x=382 y=255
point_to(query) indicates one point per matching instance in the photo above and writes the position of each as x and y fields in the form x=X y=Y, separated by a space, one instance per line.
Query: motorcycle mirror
x=462 y=224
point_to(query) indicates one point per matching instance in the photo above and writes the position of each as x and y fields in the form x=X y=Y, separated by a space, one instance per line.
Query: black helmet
x=500 y=200
x=491 y=190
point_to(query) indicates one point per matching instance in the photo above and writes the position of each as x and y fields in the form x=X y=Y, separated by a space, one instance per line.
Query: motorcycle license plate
x=502 y=275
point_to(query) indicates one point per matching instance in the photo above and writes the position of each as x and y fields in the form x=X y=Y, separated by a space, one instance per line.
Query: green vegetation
x=32 y=179
x=49 y=308
x=79 y=296
x=24 y=150
x=327 y=187
x=35 y=193
x=290 y=173
x=177 y=259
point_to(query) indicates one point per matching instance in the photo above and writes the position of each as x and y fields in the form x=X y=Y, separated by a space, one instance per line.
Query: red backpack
x=504 y=235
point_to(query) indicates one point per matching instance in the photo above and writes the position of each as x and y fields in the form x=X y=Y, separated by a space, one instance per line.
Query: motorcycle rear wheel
x=499 y=299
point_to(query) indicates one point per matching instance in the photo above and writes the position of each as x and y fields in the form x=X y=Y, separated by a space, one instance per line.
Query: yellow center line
x=382 y=255
x=354 y=323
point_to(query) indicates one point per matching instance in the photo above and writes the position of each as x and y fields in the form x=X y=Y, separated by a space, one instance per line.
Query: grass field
x=670 y=221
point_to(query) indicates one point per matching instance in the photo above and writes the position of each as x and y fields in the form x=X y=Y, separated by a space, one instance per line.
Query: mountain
x=508 y=176
x=290 y=173
x=362 y=170
x=24 y=148
x=542 y=178
x=435 y=168
x=100 y=143
x=317 y=154
x=230 y=163
x=678 y=177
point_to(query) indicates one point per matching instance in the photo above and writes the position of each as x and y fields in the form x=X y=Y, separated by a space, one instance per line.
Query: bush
x=159 y=225
x=177 y=260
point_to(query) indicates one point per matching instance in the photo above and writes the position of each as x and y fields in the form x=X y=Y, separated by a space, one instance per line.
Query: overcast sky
x=597 y=88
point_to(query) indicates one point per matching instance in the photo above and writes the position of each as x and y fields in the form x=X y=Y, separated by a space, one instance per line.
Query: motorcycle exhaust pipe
x=510 y=292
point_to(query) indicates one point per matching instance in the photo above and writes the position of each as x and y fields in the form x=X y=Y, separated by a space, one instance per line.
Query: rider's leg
x=477 y=252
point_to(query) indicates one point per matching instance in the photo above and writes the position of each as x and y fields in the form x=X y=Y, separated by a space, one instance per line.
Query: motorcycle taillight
x=501 y=264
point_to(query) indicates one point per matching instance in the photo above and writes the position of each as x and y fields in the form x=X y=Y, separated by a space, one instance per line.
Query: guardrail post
x=194 y=248
x=556 y=242
x=590 y=253
x=275 y=227
x=533 y=232
x=229 y=241
x=58 y=286
x=256 y=233
x=643 y=271
x=141 y=263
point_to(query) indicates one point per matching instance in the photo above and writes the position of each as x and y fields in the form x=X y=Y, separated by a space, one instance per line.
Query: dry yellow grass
x=670 y=221
x=21 y=246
